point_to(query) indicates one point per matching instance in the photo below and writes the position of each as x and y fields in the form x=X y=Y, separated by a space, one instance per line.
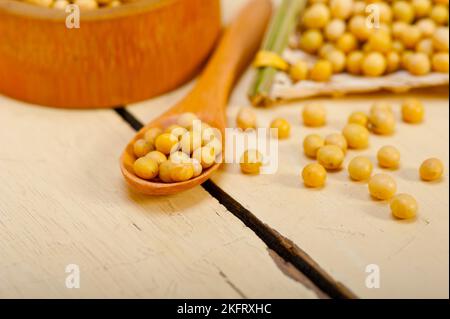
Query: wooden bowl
x=117 y=56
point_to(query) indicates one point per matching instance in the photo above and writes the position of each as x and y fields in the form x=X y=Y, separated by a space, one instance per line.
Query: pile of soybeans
x=372 y=38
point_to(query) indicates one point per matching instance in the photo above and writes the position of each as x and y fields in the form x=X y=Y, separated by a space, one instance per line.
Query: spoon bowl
x=209 y=97
x=156 y=187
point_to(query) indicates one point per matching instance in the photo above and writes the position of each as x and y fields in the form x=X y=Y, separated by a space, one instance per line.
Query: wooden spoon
x=209 y=97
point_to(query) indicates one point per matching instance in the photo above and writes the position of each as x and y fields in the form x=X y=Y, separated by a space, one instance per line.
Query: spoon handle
x=237 y=47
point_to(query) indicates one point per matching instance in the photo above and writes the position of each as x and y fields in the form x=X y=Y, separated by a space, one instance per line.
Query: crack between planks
x=275 y=241
x=283 y=246
x=129 y=118
x=292 y=272
x=232 y=285
x=136 y=226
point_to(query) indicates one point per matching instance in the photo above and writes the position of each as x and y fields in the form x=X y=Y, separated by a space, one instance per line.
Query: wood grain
x=340 y=227
x=63 y=201
x=298 y=259
x=117 y=56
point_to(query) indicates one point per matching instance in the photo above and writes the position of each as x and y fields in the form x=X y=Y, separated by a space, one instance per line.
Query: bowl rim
x=27 y=10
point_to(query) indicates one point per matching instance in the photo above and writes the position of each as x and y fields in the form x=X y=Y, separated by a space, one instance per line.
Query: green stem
x=281 y=27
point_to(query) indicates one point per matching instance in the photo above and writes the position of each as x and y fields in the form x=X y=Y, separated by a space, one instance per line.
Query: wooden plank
x=341 y=227
x=63 y=201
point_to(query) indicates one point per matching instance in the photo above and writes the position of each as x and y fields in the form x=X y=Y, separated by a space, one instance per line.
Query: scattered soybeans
x=382 y=186
x=360 y=118
x=282 y=128
x=181 y=152
x=431 y=169
x=314 y=175
x=246 y=118
x=251 y=161
x=311 y=145
x=381 y=106
x=330 y=156
x=382 y=122
x=357 y=136
x=412 y=111
x=388 y=157
x=360 y=168
x=404 y=206
x=314 y=115
x=338 y=140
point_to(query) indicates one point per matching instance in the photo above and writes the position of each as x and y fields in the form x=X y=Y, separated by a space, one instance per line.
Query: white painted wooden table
x=63 y=201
